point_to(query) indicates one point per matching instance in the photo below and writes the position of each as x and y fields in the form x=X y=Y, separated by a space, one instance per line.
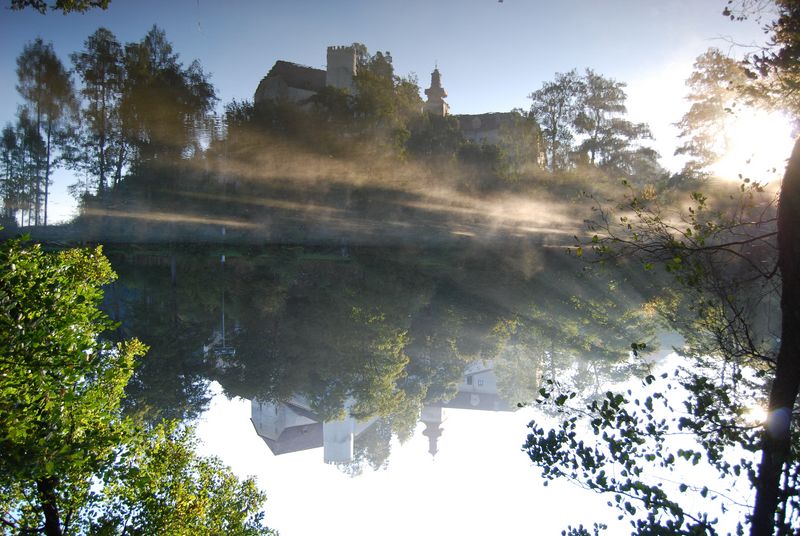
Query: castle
x=295 y=83
x=291 y=82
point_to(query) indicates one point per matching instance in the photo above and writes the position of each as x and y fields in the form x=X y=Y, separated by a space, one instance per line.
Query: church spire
x=436 y=105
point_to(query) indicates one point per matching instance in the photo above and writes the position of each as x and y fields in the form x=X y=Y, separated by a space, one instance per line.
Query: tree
x=601 y=100
x=724 y=306
x=555 y=107
x=164 y=105
x=783 y=61
x=610 y=137
x=432 y=136
x=717 y=86
x=521 y=141
x=45 y=85
x=61 y=386
x=68 y=455
x=744 y=241
x=65 y=6
x=161 y=486
x=102 y=150
x=591 y=109
x=23 y=154
x=384 y=102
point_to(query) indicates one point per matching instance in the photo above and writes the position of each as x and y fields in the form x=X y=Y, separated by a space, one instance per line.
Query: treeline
x=137 y=127
x=136 y=104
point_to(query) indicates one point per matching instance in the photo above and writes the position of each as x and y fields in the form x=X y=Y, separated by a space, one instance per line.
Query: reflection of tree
x=371 y=448
x=379 y=332
x=162 y=304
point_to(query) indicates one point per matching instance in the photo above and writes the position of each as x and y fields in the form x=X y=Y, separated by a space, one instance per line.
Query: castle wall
x=277 y=90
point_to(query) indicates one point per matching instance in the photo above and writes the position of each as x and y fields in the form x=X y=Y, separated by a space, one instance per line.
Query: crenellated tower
x=341 y=68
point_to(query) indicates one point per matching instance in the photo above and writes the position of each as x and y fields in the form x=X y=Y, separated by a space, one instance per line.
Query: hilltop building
x=484 y=128
x=292 y=82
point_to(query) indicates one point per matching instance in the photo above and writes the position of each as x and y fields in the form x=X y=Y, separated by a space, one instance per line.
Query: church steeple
x=436 y=105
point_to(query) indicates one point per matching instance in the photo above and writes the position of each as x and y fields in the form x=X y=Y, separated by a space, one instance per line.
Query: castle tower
x=341 y=67
x=436 y=105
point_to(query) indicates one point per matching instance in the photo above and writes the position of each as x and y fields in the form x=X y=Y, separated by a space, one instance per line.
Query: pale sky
x=492 y=55
x=480 y=482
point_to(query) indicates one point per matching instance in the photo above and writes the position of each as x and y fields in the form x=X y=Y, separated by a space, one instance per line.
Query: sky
x=491 y=54
x=480 y=481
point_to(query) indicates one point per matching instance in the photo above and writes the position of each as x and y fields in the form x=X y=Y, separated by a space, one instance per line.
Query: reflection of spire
x=433 y=436
x=433 y=417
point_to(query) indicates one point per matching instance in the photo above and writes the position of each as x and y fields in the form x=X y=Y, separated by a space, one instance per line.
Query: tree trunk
x=47 y=493
x=47 y=171
x=776 y=435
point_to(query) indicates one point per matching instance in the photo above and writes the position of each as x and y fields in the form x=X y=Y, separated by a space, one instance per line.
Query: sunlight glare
x=755 y=415
x=756 y=146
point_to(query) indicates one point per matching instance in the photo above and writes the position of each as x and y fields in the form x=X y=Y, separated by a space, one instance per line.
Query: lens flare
x=756 y=146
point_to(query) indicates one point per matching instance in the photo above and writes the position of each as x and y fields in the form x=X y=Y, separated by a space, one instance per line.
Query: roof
x=298 y=76
x=296 y=438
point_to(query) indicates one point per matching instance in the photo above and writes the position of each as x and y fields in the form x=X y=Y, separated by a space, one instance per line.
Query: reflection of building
x=292 y=427
x=288 y=81
x=477 y=391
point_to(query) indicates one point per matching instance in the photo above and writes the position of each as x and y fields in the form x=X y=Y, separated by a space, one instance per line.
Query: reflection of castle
x=293 y=426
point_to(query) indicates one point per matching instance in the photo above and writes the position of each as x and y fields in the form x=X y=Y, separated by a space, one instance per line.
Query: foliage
x=46 y=87
x=717 y=86
x=555 y=107
x=64 y=441
x=65 y=6
x=778 y=61
x=160 y=486
x=521 y=142
x=164 y=104
x=23 y=152
x=61 y=387
x=101 y=149
x=432 y=136
x=582 y=122
x=384 y=103
x=485 y=164
x=629 y=444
